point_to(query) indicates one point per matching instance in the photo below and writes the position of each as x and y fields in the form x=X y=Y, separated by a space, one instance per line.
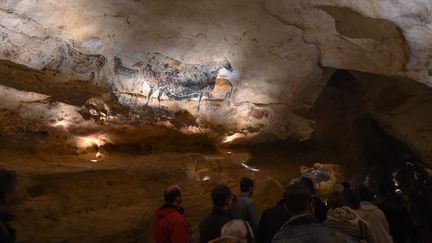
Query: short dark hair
x=308 y=183
x=8 y=180
x=297 y=197
x=220 y=194
x=352 y=199
x=365 y=194
x=171 y=194
x=346 y=185
x=246 y=184
x=337 y=200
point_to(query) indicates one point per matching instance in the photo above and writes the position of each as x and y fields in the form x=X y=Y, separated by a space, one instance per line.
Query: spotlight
x=99 y=155
x=92 y=140
x=250 y=168
x=61 y=123
x=233 y=137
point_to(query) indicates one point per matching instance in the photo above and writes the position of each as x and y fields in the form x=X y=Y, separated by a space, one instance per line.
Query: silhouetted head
x=8 y=187
x=222 y=196
x=364 y=194
x=297 y=199
x=172 y=196
x=337 y=200
x=352 y=199
x=346 y=185
x=247 y=185
x=307 y=182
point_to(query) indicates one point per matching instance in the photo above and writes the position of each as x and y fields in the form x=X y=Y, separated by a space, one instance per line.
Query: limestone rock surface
x=243 y=70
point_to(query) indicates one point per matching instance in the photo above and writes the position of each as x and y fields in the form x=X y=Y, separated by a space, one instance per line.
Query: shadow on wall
x=372 y=121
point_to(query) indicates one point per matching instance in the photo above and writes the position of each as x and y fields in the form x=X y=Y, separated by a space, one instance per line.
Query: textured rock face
x=238 y=68
x=94 y=78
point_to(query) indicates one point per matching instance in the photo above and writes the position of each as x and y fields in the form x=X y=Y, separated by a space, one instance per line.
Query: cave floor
x=68 y=198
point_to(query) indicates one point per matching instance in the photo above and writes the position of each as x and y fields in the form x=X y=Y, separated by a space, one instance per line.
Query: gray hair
x=236 y=228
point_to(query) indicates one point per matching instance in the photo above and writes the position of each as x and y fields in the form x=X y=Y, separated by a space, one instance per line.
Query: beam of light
x=62 y=123
x=250 y=168
x=192 y=130
x=233 y=137
x=395 y=181
x=206 y=178
x=99 y=155
x=90 y=141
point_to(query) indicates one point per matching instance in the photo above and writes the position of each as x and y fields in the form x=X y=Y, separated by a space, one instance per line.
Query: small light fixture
x=250 y=168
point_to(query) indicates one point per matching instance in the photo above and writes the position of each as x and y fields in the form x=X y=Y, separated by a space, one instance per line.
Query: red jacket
x=171 y=226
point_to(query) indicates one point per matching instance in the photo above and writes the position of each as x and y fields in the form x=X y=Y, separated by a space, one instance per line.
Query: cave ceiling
x=231 y=70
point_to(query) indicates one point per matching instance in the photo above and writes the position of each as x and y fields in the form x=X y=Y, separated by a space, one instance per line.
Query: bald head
x=172 y=195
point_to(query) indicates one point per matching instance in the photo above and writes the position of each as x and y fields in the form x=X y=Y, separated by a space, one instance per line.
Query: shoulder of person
x=178 y=218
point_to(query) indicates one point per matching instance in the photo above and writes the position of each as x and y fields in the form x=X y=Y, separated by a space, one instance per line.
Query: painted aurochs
x=179 y=80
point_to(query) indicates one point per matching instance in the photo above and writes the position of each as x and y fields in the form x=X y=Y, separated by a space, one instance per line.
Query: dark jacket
x=171 y=226
x=304 y=229
x=245 y=208
x=210 y=227
x=271 y=222
x=7 y=233
x=320 y=209
x=398 y=219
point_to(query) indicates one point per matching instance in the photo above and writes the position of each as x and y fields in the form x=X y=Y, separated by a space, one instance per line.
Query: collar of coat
x=166 y=206
x=301 y=219
x=221 y=211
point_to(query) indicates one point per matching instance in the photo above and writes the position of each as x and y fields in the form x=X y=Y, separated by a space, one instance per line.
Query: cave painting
x=50 y=53
x=77 y=61
x=170 y=77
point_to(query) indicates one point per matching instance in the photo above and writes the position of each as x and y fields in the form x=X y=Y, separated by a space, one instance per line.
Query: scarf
x=343 y=214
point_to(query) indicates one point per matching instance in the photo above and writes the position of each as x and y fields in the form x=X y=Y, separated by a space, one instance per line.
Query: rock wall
x=363 y=115
x=244 y=68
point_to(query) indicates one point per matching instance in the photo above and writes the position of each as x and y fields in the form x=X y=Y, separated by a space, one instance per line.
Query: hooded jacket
x=171 y=226
x=377 y=222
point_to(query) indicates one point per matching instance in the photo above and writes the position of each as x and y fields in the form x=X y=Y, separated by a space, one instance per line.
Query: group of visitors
x=348 y=215
x=300 y=216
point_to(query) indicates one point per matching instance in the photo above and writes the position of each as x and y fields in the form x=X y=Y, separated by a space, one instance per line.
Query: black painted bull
x=179 y=80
